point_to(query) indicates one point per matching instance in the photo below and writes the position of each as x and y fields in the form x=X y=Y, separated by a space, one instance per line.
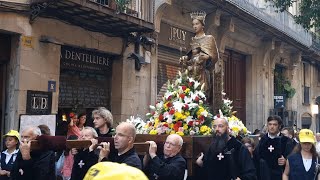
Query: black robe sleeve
x=248 y=171
x=173 y=170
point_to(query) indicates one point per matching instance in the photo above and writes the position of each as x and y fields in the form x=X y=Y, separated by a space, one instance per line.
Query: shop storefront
x=85 y=81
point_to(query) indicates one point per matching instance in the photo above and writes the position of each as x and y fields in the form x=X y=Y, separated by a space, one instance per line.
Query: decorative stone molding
x=160 y=6
x=223 y=32
x=269 y=45
x=276 y=53
x=296 y=60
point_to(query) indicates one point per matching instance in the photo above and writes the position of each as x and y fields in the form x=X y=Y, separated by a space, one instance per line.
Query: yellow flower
x=245 y=131
x=235 y=129
x=187 y=90
x=187 y=113
x=185 y=126
x=184 y=117
x=204 y=128
x=180 y=133
x=178 y=115
x=153 y=132
x=172 y=132
x=156 y=122
x=201 y=109
x=171 y=125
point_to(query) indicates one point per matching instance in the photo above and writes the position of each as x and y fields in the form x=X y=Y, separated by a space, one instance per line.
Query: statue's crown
x=201 y=15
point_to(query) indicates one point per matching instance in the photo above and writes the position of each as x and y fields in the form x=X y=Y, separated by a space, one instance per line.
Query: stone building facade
x=258 y=48
x=83 y=64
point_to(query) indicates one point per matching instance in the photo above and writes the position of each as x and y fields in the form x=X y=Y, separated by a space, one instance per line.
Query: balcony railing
x=142 y=9
x=283 y=21
x=315 y=43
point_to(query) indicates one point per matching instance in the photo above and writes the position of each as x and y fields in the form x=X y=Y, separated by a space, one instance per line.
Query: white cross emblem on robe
x=220 y=156
x=81 y=164
x=271 y=148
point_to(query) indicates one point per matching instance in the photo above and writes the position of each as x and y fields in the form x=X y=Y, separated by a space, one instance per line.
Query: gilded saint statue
x=200 y=60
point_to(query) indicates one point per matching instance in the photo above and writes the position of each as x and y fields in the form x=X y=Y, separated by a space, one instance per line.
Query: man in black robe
x=227 y=158
x=272 y=151
x=84 y=158
x=33 y=165
x=169 y=166
x=123 y=143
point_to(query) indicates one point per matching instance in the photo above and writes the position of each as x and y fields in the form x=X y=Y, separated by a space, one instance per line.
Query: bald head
x=131 y=130
x=221 y=126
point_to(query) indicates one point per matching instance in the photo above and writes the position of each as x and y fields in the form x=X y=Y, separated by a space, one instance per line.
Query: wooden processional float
x=192 y=146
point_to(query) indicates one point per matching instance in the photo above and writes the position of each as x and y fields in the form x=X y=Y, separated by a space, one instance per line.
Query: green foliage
x=283 y=86
x=309 y=11
x=122 y=5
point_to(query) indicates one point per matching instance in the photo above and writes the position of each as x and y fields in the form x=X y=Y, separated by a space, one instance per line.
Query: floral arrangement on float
x=182 y=110
x=236 y=126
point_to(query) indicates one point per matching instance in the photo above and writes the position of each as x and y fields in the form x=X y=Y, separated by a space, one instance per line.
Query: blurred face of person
x=286 y=133
x=273 y=127
x=82 y=119
x=11 y=142
x=220 y=126
x=306 y=146
x=197 y=26
x=98 y=121
x=250 y=148
x=318 y=137
x=171 y=146
x=86 y=134
x=28 y=135
x=122 y=138
x=75 y=119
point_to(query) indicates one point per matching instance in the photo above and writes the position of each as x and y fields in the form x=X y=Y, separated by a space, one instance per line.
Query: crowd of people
x=280 y=153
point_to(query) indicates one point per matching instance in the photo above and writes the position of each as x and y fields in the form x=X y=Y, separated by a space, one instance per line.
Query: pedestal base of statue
x=191 y=149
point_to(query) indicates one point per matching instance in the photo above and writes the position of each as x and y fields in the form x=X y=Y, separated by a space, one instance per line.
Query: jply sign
x=39 y=103
x=174 y=37
x=85 y=60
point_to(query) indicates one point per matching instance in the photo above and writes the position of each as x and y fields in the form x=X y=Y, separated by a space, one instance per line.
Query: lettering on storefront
x=39 y=103
x=85 y=60
x=174 y=37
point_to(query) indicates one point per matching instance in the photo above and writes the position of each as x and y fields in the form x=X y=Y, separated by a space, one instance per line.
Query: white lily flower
x=152 y=107
x=204 y=113
x=187 y=100
x=179 y=73
x=202 y=86
x=196 y=84
x=178 y=106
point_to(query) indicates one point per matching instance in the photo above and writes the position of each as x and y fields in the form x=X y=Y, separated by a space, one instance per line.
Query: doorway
x=5 y=52
x=235 y=81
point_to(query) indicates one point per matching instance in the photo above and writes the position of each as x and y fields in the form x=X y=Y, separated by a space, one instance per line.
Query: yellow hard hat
x=13 y=133
x=306 y=135
x=111 y=170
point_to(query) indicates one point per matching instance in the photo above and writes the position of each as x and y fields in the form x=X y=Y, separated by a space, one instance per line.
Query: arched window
x=306 y=120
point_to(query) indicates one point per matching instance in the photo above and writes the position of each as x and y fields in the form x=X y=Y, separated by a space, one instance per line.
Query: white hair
x=35 y=130
x=178 y=137
x=94 y=132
